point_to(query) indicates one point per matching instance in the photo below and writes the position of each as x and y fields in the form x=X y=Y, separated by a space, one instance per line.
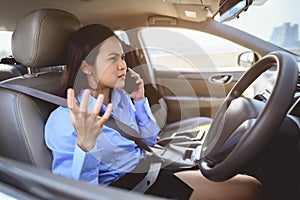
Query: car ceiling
x=118 y=14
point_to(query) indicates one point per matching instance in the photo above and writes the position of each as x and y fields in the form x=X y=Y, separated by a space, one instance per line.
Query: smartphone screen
x=130 y=84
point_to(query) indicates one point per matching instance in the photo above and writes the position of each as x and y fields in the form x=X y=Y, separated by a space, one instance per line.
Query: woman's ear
x=86 y=68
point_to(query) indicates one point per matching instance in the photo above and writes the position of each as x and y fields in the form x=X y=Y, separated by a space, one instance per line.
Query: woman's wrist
x=85 y=146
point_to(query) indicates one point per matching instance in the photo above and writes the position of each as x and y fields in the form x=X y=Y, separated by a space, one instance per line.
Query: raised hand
x=88 y=125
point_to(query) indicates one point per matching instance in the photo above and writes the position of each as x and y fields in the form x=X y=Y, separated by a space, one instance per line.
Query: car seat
x=39 y=41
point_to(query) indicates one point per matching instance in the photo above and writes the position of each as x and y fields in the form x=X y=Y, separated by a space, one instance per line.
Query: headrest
x=41 y=37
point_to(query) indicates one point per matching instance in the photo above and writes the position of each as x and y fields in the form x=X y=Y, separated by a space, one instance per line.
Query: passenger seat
x=39 y=41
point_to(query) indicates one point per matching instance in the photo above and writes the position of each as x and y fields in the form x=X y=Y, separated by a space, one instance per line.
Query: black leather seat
x=39 y=41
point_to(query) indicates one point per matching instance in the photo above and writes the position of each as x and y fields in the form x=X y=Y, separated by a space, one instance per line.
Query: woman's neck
x=98 y=88
x=105 y=92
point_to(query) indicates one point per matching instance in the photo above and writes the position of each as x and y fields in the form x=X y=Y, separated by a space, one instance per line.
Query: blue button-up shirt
x=113 y=155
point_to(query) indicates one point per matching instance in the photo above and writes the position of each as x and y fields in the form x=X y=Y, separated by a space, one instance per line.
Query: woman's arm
x=145 y=120
x=148 y=127
x=69 y=160
x=75 y=152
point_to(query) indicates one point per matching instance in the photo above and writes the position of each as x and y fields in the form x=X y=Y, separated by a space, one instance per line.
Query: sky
x=262 y=19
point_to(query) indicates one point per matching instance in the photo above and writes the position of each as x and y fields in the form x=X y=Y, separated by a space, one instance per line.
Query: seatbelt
x=122 y=128
x=36 y=93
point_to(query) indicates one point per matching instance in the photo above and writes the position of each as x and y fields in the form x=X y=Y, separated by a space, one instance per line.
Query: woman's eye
x=123 y=56
x=115 y=58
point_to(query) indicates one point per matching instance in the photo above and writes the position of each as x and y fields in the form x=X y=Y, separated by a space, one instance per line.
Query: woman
x=84 y=148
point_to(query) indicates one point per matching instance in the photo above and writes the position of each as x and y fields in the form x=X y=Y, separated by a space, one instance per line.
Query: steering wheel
x=242 y=126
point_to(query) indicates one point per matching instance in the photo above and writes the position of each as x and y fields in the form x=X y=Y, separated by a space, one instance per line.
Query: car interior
x=39 y=42
x=29 y=114
x=30 y=140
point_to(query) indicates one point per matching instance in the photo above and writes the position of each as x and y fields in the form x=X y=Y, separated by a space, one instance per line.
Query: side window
x=189 y=50
x=123 y=36
x=5 y=44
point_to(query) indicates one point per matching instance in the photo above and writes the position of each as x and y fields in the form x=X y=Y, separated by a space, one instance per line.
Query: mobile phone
x=130 y=83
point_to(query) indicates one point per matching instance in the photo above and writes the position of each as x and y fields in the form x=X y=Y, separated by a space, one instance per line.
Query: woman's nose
x=121 y=64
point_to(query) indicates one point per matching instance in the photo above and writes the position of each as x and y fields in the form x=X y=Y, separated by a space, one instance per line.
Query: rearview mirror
x=229 y=9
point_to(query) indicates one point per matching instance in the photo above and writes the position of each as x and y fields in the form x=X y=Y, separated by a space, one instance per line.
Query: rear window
x=5 y=44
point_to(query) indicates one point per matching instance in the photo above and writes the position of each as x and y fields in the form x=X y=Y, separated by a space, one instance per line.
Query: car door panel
x=190 y=94
x=194 y=72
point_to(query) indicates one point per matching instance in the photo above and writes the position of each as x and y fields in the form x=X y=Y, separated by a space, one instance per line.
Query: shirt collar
x=92 y=102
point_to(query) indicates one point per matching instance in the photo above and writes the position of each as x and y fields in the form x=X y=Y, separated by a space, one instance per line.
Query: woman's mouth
x=121 y=76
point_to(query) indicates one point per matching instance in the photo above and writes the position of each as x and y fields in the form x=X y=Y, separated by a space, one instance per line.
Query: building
x=286 y=35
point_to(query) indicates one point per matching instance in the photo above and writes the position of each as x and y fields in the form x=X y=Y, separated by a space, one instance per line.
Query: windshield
x=274 y=21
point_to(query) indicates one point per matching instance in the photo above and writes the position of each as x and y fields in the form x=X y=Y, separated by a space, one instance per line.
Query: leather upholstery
x=40 y=40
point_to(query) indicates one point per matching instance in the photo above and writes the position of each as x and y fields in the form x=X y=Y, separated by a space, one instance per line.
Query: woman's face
x=110 y=66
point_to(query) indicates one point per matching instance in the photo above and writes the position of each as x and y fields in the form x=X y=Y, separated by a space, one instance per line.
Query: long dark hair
x=82 y=42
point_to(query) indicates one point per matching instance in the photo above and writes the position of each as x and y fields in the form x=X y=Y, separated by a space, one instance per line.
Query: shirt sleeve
x=85 y=165
x=147 y=124
x=142 y=114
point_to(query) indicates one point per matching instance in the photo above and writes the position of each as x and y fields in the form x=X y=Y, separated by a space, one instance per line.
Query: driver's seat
x=39 y=42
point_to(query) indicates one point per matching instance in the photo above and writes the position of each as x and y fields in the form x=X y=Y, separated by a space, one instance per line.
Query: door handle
x=221 y=79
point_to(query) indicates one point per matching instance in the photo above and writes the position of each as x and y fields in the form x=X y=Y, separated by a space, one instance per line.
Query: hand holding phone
x=130 y=83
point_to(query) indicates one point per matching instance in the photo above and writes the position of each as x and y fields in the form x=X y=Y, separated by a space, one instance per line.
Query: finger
x=133 y=73
x=106 y=115
x=140 y=82
x=70 y=98
x=84 y=101
x=98 y=104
